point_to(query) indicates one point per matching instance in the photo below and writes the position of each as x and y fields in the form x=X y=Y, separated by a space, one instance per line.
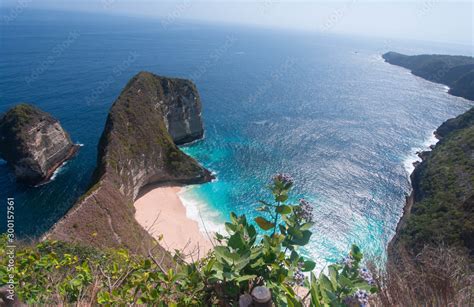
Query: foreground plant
x=243 y=260
x=55 y=272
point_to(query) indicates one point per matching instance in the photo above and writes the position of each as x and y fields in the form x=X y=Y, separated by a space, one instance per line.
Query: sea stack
x=137 y=148
x=33 y=143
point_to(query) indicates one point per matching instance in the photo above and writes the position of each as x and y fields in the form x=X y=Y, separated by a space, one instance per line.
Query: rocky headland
x=137 y=149
x=439 y=211
x=440 y=208
x=456 y=72
x=33 y=143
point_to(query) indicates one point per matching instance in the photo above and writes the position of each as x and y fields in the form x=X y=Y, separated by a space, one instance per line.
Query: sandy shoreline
x=161 y=212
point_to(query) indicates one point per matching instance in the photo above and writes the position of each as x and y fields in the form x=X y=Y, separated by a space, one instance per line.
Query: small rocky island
x=137 y=148
x=33 y=143
x=455 y=71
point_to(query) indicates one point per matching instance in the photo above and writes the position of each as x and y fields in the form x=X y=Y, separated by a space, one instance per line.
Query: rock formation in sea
x=137 y=148
x=457 y=72
x=33 y=143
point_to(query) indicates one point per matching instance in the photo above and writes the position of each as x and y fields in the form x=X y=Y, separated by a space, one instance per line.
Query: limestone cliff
x=33 y=143
x=137 y=148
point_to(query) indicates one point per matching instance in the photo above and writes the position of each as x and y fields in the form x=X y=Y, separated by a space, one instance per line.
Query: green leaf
x=329 y=297
x=282 y=229
x=283 y=209
x=306 y=226
x=245 y=278
x=281 y=198
x=223 y=253
x=356 y=253
x=103 y=298
x=295 y=232
x=241 y=261
x=264 y=223
x=231 y=228
x=304 y=239
x=315 y=299
x=345 y=282
x=294 y=256
x=363 y=286
x=325 y=282
x=308 y=266
x=236 y=242
x=333 y=276
x=233 y=218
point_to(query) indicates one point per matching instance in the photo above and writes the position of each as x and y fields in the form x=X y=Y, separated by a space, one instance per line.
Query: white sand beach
x=162 y=214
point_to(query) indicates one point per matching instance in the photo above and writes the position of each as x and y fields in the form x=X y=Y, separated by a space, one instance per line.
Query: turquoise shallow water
x=325 y=109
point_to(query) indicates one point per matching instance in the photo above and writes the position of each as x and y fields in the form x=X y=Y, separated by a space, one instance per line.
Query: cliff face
x=457 y=72
x=441 y=207
x=137 y=148
x=33 y=143
x=181 y=107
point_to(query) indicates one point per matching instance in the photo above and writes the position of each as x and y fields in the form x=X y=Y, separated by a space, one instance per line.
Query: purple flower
x=362 y=296
x=298 y=277
x=304 y=211
x=285 y=179
x=366 y=275
x=348 y=261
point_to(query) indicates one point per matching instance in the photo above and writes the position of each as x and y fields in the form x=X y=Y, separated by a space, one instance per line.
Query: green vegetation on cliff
x=20 y=115
x=11 y=124
x=443 y=209
x=463 y=121
x=457 y=72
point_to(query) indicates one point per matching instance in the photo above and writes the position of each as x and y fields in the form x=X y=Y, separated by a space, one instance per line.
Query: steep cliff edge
x=457 y=72
x=33 y=143
x=137 y=148
x=441 y=207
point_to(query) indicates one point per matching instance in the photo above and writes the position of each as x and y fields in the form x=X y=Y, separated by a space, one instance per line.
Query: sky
x=431 y=20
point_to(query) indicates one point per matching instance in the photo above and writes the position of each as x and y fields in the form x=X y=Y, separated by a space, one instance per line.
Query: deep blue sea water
x=324 y=108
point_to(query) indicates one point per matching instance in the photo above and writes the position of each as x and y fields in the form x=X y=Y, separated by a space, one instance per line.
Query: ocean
x=322 y=107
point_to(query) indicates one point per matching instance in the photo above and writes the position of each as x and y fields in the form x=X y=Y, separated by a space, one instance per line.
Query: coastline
x=411 y=160
x=411 y=164
x=161 y=212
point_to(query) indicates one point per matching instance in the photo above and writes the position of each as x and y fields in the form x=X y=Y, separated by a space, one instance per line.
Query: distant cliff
x=137 y=148
x=441 y=207
x=457 y=72
x=33 y=143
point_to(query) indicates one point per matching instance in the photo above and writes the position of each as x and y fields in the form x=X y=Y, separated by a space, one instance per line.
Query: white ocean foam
x=209 y=219
x=59 y=170
x=446 y=88
x=413 y=156
x=214 y=173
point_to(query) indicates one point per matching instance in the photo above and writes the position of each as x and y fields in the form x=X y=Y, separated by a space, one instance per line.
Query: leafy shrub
x=242 y=259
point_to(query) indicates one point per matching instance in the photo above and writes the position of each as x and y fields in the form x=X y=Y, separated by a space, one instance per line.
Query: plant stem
x=276 y=220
